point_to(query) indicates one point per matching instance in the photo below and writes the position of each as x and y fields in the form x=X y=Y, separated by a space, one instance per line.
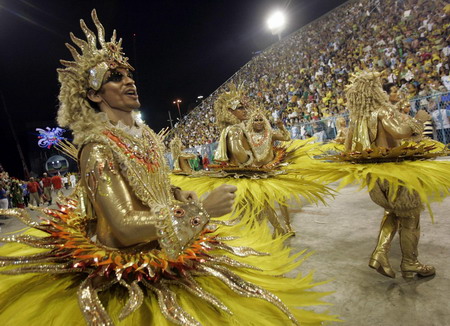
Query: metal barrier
x=323 y=130
x=438 y=106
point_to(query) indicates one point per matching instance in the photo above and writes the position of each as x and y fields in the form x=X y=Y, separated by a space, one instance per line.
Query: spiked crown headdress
x=255 y=114
x=84 y=73
x=109 y=55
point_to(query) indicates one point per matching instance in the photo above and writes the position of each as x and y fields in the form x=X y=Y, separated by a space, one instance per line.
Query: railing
x=438 y=106
x=323 y=130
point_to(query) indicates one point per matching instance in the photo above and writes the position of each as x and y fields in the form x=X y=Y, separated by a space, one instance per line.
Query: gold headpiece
x=175 y=146
x=229 y=100
x=86 y=72
x=257 y=112
x=365 y=93
x=96 y=62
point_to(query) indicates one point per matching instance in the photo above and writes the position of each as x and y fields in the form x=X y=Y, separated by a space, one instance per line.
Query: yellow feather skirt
x=429 y=178
x=255 y=195
x=50 y=299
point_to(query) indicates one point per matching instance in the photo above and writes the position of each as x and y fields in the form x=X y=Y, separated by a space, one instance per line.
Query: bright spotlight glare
x=139 y=117
x=276 y=21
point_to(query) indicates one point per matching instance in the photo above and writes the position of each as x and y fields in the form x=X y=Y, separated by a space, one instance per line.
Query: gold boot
x=287 y=219
x=273 y=218
x=409 y=241
x=379 y=259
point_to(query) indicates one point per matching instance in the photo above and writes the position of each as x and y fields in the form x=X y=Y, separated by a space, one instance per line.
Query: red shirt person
x=57 y=182
x=32 y=186
x=46 y=181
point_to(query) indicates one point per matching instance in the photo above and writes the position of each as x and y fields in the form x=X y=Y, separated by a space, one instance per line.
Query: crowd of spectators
x=302 y=78
x=20 y=193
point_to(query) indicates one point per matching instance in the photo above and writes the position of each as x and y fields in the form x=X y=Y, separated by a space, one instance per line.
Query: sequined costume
x=261 y=138
x=126 y=249
x=233 y=148
x=341 y=130
x=381 y=153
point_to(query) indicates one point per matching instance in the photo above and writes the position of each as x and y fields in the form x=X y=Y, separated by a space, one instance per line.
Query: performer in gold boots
x=232 y=109
x=261 y=137
x=375 y=123
x=383 y=151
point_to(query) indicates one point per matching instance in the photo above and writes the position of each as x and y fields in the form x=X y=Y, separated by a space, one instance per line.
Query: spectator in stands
x=65 y=181
x=26 y=193
x=205 y=161
x=3 y=196
x=73 y=180
x=17 y=194
x=442 y=125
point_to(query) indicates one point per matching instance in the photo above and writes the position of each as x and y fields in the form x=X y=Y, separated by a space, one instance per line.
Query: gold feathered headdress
x=365 y=94
x=232 y=99
x=84 y=73
x=94 y=62
x=175 y=146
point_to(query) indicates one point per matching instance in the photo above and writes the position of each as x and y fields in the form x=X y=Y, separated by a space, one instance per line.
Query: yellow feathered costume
x=51 y=300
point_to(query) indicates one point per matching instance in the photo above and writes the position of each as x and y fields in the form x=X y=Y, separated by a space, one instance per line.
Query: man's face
x=258 y=124
x=240 y=113
x=119 y=90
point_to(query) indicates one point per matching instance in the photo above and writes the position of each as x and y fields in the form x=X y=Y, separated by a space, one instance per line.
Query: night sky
x=180 y=49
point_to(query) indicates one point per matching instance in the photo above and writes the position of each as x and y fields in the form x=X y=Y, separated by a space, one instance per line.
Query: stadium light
x=277 y=23
x=177 y=103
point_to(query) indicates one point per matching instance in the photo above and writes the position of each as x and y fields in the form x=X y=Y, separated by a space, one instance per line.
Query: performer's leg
x=409 y=241
x=271 y=215
x=379 y=259
x=287 y=219
x=184 y=165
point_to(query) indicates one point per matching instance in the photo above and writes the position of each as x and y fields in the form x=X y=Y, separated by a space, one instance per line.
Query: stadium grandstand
x=301 y=79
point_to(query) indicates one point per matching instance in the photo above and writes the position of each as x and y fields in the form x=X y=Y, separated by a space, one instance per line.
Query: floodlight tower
x=277 y=23
x=177 y=103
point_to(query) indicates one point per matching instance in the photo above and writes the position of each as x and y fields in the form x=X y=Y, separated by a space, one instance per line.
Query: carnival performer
x=341 y=126
x=261 y=137
x=180 y=159
x=127 y=231
x=375 y=123
x=381 y=152
x=250 y=160
x=232 y=109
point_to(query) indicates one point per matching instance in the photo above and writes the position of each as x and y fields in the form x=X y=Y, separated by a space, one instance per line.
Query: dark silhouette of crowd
x=301 y=79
